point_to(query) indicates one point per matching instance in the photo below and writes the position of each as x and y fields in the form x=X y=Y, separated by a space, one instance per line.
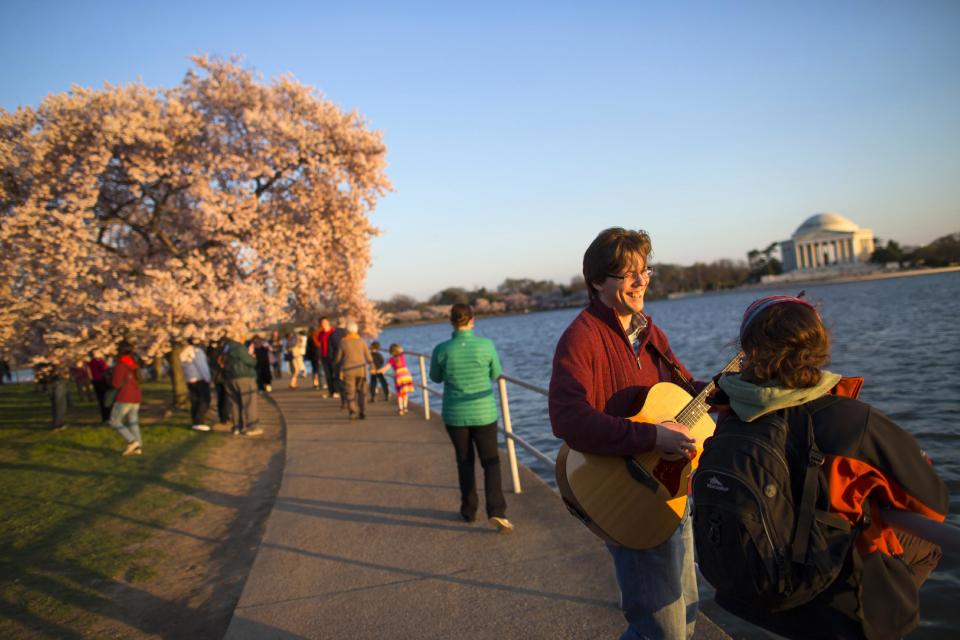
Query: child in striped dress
x=402 y=378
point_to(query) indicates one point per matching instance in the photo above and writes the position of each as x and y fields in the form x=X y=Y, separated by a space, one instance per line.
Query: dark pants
x=330 y=371
x=355 y=390
x=224 y=410
x=58 y=401
x=375 y=379
x=243 y=398
x=100 y=390
x=484 y=438
x=199 y=400
x=264 y=376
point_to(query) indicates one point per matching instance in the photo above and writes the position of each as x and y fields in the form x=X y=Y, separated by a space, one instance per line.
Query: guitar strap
x=677 y=372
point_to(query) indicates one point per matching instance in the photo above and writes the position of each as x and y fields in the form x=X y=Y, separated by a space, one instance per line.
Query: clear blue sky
x=517 y=131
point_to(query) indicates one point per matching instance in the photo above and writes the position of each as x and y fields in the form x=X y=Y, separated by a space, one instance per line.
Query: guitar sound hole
x=670 y=473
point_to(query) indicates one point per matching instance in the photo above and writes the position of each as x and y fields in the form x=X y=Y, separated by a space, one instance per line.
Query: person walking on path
x=196 y=370
x=276 y=355
x=353 y=357
x=605 y=362
x=218 y=377
x=866 y=464
x=376 y=375
x=467 y=365
x=333 y=347
x=296 y=345
x=264 y=356
x=321 y=355
x=239 y=369
x=98 y=377
x=126 y=406
x=402 y=380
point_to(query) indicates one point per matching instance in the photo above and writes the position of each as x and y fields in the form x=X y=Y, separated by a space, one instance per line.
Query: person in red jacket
x=605 y=362
x=126 y=407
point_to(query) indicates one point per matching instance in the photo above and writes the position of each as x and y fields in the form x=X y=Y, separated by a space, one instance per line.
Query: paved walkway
x=365 y=541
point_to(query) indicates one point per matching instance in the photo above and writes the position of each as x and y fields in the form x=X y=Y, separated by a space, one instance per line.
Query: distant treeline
x=942 y=252
x=518 y=295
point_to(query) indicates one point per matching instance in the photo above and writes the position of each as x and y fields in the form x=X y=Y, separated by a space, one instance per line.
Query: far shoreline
x=760 y=286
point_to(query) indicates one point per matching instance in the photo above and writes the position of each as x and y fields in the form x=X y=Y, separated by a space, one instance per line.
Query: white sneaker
x=502 y=524
x=200 y=427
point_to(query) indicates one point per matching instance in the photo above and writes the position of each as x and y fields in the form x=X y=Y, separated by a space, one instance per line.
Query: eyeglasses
x=644 y=274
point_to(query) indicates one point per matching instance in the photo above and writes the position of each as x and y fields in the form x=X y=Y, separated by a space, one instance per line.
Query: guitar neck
x=697 y=407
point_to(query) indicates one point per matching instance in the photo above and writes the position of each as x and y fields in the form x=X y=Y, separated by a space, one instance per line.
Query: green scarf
x=751 y=401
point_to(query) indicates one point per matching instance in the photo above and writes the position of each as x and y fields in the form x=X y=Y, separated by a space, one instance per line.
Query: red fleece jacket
x=598 y=383
x=125 y=379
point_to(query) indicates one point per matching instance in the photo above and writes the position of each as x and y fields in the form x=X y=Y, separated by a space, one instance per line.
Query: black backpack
x=763 y=534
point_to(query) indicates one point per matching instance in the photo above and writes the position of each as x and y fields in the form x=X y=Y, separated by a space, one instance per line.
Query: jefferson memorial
x=826 y=241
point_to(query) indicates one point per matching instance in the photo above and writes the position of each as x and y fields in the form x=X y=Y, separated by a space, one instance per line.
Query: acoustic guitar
x=638 y=501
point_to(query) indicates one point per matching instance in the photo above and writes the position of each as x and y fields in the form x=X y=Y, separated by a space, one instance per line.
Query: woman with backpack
x=790 y=491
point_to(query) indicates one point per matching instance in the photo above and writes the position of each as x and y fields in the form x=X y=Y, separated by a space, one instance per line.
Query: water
x=902 y=335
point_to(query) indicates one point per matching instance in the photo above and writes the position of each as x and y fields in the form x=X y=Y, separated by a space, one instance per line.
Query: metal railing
x=507 y=429
x=945 y=534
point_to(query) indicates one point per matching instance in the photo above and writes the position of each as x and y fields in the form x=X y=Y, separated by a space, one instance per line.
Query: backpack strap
x=808 y=500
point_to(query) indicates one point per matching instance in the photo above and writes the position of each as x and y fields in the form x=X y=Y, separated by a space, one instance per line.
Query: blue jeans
x=130 y=411
x=658 y=587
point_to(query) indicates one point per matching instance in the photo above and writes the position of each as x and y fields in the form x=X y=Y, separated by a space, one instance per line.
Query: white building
x=826 y=241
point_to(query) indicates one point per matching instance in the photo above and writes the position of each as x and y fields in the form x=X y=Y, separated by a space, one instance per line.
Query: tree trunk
x=157 y=369
x=178 y=382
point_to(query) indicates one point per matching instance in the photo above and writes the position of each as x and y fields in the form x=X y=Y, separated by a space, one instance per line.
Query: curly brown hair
x=785 y=343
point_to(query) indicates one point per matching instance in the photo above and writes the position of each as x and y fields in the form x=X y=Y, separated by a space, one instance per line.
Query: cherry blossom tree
x=162 y=215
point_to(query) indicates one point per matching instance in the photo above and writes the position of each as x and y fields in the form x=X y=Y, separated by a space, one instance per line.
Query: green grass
x=74 y=513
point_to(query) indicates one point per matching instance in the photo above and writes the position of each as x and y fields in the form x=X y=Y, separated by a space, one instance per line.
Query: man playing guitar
x=605 y=362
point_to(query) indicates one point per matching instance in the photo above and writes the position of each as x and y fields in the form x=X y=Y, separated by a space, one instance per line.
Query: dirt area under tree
x=206 y=556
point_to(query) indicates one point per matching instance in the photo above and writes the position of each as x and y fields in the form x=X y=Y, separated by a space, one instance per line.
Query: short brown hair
x=785 y=343
x=460 y=314
x=609 y=252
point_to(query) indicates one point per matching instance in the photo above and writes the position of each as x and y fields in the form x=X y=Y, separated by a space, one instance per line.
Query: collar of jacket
x=605 y=314
x=465 y=333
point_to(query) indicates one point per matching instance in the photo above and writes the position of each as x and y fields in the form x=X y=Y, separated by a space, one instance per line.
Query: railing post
x=508 y=427
x=426 y=393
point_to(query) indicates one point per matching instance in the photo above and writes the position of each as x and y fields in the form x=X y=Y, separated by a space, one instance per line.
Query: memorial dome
x=825 y=222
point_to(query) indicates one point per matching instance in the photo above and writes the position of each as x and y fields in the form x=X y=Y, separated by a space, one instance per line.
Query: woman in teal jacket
x=466 y=365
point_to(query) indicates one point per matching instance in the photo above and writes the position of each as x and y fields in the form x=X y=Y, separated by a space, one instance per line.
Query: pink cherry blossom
x=222 y=204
